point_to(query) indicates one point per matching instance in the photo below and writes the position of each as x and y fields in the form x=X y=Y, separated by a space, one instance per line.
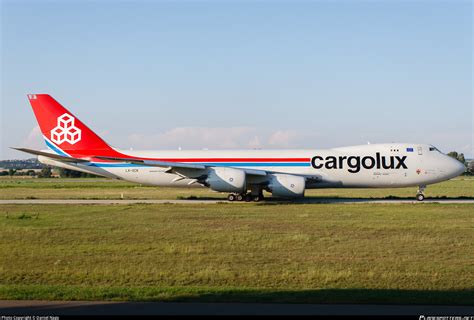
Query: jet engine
x=287 y=185
x=226 y=180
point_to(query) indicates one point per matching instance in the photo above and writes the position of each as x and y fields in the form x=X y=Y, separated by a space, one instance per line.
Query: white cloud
x=282 y=138
x=34 y=140
x=255 y=143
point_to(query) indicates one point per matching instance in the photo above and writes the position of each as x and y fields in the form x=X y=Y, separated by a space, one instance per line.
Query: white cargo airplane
x=244 y=174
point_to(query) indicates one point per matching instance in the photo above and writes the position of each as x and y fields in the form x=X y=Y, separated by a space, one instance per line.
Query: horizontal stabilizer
x=51 y=155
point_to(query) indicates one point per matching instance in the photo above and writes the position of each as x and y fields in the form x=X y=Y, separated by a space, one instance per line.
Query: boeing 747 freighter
x=243 y=174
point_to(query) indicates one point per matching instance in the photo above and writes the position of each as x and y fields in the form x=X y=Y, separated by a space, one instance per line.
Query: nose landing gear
x=420 y=197
x=419 y=194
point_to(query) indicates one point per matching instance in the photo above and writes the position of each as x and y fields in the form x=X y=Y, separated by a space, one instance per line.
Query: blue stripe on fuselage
x=114 y=165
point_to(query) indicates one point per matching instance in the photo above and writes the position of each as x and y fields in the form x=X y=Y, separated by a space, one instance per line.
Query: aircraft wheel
x=420 y=197
x=257 y=198
x=231 y=197
x=248 y=197
x=239 y=197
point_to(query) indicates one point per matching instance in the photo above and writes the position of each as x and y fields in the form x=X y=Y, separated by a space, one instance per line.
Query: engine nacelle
x=226 y=180
x=287 y=185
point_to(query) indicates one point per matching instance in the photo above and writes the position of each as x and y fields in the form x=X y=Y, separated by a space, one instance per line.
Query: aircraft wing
x=187 y=169
x=173 y=166
x=154 y=163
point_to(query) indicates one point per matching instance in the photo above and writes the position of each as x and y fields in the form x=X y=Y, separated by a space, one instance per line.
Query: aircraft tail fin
x=63 y=132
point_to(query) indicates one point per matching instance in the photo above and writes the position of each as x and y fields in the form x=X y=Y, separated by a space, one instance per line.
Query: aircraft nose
x=456 y=167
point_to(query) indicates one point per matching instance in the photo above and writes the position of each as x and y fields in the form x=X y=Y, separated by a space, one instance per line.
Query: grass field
x=27 y=188
x=318 y=253
x=377 y=253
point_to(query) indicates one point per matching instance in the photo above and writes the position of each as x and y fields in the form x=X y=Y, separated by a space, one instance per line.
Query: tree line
x=47 y=172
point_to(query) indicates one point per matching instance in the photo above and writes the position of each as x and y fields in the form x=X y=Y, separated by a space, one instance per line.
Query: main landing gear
x=419 y=194
x=247 y=197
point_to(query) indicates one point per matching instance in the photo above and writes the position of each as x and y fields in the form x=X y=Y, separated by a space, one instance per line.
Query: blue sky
x=321 y=74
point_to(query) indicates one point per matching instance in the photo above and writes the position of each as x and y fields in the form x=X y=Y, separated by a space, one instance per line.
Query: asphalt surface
x=214 y=201
x=13 y=307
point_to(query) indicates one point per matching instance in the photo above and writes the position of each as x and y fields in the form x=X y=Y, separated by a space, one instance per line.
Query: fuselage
x=363 y=166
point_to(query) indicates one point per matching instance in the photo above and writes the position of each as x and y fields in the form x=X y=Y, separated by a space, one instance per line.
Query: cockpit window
x=434 y=149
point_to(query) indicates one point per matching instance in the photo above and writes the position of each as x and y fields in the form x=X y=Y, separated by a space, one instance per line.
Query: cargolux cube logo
x=65 y=131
